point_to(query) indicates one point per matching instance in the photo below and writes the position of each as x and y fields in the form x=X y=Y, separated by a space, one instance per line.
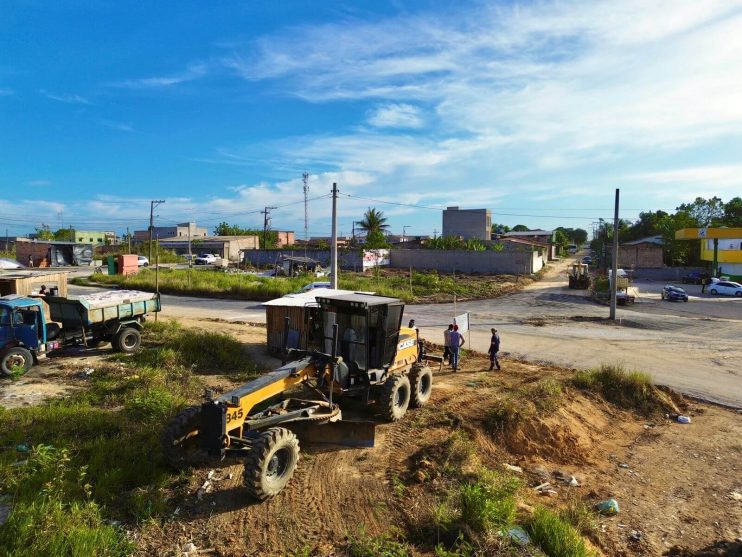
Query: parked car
x=10 y=264
x=314 y=285
x=695 y=277
x=142 y=261
x=726 y=288
x=673 y=293
x=587 y=260
x=205 y=259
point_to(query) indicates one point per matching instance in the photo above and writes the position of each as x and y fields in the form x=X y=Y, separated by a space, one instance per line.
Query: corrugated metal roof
x=306 y=298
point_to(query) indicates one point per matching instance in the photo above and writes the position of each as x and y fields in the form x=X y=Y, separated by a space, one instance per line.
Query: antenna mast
x=305 y=179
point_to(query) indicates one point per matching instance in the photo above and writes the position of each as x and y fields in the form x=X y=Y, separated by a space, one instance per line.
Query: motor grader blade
x=341 y=433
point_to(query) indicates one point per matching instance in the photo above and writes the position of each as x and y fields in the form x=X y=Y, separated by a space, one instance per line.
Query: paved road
x=693 y=347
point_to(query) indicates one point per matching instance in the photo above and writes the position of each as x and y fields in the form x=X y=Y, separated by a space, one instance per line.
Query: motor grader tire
x=16 y=360
x=180 y=445
x=127 y=340
x=271 y=462
x=395 y=397
x=421 y=381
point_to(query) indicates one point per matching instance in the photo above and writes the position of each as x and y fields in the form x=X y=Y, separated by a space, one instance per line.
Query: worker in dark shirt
x=494 y=349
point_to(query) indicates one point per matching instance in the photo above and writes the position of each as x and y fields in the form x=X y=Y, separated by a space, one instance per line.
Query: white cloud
x=65 y=98
x=191 y=73
x=118 y=126
x=396 y=116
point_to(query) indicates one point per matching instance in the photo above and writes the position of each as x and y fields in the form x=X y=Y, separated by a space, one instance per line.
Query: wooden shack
x=301 y=310
x=28 y=283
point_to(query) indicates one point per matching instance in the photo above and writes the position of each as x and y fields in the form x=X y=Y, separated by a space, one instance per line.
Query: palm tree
x=373 y=221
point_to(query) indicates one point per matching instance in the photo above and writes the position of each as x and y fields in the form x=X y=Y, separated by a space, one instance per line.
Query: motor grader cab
x=579 y=277
x=360 y=351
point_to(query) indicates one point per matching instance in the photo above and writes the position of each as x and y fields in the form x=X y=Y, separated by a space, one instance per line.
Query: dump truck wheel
x=15 y=360
x=421 y=380
x=271 y=463
x=395 y=397
x=179 y=441
x=127 y=340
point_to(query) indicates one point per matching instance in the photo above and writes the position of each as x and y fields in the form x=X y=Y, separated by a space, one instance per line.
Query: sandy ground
x=675 y=483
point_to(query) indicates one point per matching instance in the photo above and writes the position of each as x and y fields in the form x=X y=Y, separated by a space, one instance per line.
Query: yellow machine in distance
x=359 y=350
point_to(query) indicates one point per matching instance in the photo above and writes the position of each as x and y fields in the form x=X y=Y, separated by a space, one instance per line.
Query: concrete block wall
x=640 y=257
x=486 y=262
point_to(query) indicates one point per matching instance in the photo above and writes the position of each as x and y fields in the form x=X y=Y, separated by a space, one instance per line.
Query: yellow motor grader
x=358 y=350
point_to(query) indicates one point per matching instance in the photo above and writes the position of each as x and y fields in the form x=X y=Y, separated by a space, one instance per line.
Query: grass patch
x=54 y=513
x=363 y=545
x=420 y=287
x=96 y=455
x=173 y=345
x=627 y=389
x=582 y=517
x=555 y=536
x=540 y=398
x=482 y=504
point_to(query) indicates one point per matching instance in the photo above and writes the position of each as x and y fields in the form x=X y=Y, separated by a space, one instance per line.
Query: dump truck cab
x=25 y=336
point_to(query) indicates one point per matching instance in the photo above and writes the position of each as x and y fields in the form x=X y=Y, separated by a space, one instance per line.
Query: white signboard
x=462 y=321
x=375 y=258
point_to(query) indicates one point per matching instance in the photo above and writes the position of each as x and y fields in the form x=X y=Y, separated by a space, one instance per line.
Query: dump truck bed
x=101 y=307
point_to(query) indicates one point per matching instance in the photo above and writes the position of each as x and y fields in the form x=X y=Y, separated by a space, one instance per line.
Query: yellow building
x=721 y=246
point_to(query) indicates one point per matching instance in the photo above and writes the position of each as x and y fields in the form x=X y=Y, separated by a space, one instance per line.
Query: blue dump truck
x=27 y=335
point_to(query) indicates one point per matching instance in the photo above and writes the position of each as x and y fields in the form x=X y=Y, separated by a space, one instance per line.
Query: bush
x=555 y=536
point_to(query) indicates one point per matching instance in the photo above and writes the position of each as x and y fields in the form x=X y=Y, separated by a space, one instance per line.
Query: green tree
x=733 y=212
x=376 y=240
x=500 y=228
x=373 y=221
x=561 y=240
x=44 y=232
x=706 y=212
x=267 y=239
x=65 y=235
x=520 y=228
x=678 y=252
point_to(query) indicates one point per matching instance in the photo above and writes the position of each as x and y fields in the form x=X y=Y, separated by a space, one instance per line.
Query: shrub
x=555 y=536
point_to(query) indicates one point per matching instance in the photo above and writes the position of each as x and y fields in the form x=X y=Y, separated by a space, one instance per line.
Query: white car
x=726 y=288
x=10 y=264
x=315 y=285
x=142 y=261
x=205 y=259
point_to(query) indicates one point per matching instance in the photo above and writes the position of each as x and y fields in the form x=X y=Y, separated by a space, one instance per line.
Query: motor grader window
x=352 y=337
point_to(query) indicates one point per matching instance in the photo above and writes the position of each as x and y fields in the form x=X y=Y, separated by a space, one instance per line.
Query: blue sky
x=535 y=110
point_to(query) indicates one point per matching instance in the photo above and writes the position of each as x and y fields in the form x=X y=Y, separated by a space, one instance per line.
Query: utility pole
x=128 y=238
x=305 y=179
x=614 y=278
x=435 y=233
x=266 y=224
x=404 y=229
x=152 y=205
x=334 y=245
